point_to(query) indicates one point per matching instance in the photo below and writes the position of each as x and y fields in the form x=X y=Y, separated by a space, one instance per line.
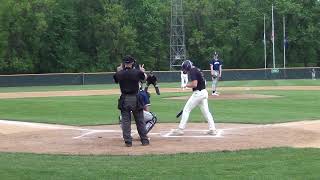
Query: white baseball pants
x=215 y=79
x=184 y=80
x=198 y=98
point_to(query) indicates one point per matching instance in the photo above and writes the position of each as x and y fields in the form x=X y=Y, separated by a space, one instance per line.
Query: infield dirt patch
x=117 y=91
x=232 y=96
x=57 y=139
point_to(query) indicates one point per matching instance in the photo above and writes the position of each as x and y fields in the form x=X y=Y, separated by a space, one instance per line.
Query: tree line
x=45 y=36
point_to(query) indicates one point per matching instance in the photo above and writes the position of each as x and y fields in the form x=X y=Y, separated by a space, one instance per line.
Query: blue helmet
x=186 y=65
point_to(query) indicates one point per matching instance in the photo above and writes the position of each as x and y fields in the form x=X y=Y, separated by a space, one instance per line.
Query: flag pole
x=264 y=42
x=284 y=43
x=273 y=53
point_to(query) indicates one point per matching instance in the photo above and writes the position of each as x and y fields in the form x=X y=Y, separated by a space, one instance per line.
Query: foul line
x=171 y=134
x=95 y=131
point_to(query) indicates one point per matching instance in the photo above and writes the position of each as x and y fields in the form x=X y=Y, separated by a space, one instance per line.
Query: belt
x=198 y=90
x=128 y=95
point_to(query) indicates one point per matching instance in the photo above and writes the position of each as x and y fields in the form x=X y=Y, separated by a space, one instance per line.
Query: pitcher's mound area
x=60 y=139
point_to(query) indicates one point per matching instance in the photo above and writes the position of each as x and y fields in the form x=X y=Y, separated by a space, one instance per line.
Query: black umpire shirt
x=196 y=74
x=128 y=80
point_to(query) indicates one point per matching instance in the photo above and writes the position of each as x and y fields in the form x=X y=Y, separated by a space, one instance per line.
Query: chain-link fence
x=163 y=76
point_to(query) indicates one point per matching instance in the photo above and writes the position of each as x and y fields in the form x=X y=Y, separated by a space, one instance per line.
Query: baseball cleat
x=177 y=132
x=140 y=138
x=211 y=132
x=145 y=143
x=215 y=94
x=128 y=144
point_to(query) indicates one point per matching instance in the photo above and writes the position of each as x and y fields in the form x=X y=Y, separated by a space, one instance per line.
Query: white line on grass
x=171 y=134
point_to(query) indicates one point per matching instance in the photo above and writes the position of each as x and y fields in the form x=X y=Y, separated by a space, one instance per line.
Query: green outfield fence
x=163 y=76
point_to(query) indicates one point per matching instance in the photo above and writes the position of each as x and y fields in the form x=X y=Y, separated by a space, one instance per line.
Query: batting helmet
x=186 y=65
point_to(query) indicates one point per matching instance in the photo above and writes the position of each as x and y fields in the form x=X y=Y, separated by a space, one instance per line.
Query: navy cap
x=128 y=59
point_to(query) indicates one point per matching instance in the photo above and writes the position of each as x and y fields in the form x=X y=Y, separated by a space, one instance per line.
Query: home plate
x=191 y=133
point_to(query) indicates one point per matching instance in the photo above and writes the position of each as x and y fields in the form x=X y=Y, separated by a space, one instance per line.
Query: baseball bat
x=179 y=114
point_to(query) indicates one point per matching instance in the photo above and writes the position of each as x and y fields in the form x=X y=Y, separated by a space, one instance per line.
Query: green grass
x=276 y=163
x=83 y=110
x=290 y=106
x=58 y=88
x=294 y=82
x=92 y=110
x=300 y=82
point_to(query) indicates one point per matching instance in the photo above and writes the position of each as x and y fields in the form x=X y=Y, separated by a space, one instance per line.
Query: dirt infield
x=232 y=96
x=58 y=139
x=117 y=91
x=61 y=139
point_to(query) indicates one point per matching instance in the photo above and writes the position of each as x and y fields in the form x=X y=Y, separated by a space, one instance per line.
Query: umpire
x=152 y=79
x=129 y=101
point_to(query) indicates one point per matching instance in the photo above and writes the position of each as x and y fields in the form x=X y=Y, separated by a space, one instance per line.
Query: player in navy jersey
x=199 y=98
x=216 y=72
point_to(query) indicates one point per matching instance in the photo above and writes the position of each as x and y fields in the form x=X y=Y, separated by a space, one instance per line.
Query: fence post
x=82 y=78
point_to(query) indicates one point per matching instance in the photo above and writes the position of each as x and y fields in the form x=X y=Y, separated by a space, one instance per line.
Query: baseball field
x=266 y=130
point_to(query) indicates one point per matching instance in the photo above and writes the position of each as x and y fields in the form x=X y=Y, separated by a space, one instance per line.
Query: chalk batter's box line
x=169 y=134
x=164 y=134
x=95 y=131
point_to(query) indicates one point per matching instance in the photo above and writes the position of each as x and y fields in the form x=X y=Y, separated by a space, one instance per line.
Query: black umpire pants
x=130 y=104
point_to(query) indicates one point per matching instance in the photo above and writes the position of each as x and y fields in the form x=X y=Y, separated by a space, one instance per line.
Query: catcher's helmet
x=186 y=65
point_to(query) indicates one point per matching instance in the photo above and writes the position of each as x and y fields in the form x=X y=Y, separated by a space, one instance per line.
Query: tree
x=42 y=36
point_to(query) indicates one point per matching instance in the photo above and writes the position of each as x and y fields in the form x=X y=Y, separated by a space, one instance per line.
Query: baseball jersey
x=216 y=64
x=196 y=74
x=184 y=74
